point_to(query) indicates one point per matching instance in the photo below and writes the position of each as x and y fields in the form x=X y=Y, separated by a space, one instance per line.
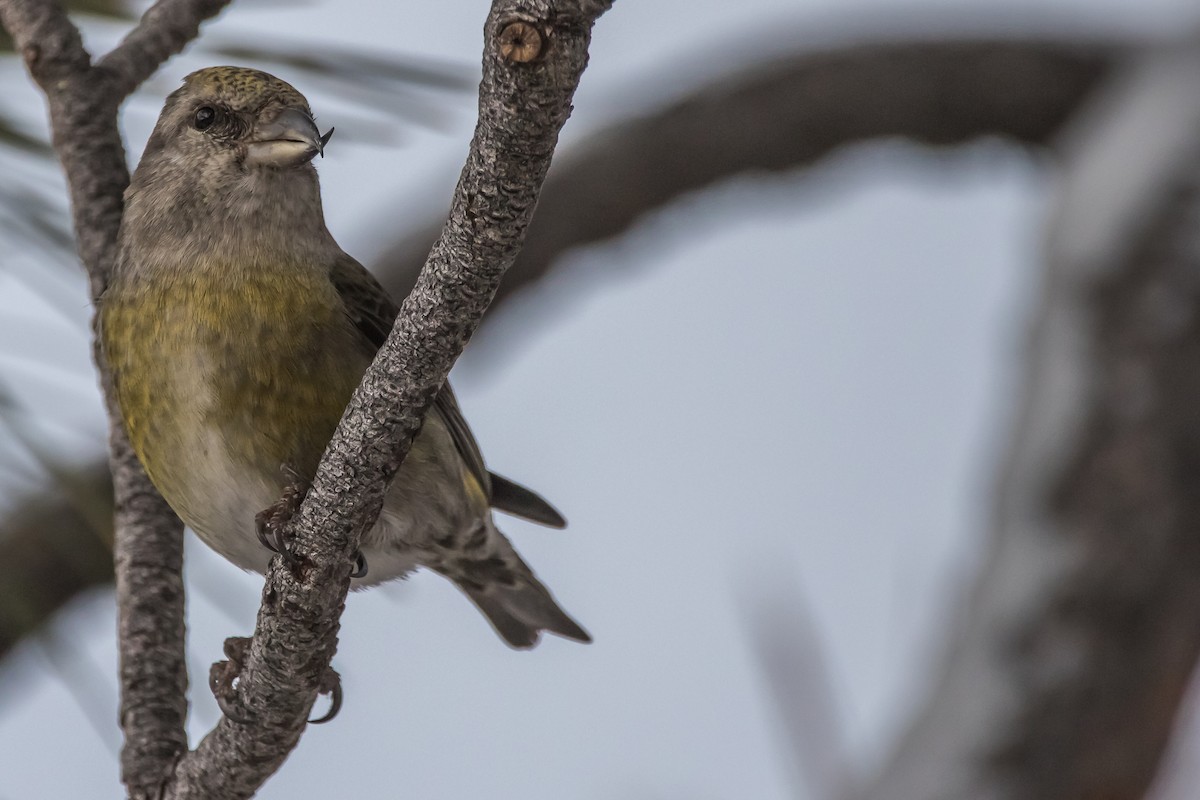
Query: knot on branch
x=520 y=42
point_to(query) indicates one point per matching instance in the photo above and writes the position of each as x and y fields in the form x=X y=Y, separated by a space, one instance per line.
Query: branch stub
x=519 y=42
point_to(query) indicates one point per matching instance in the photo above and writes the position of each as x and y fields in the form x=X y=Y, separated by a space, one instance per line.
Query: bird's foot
x=223 y=675
x=270 y=523
x=331 y=684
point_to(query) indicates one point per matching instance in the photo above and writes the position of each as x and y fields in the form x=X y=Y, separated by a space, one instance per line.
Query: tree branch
x=604 y=186
x=46 y=39
x=1066 y=672
x=788 y=114
x=524 y=99
x=148 y=556
x=164 y=30
x=83 y=103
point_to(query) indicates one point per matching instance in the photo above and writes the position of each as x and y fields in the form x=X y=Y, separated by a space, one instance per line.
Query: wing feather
x=374 y=312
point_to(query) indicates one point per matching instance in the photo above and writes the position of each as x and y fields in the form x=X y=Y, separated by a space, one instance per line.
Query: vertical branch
x=1067 y=671
x=83 y=101
x=148 y=554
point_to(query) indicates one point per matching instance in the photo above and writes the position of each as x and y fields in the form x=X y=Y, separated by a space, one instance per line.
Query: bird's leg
x=331 y=684
x=269 y=524
x=222 y=676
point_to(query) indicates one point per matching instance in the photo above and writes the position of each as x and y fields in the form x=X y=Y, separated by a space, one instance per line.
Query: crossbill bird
x=236 y=329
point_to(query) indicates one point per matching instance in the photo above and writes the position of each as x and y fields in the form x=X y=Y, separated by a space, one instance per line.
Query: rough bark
x=1068 y=668
x=534 y=54
x=83 y=102
x=524 y=101
x=611 y=180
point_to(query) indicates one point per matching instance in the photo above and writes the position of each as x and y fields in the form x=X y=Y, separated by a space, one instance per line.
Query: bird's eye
x=205 y=117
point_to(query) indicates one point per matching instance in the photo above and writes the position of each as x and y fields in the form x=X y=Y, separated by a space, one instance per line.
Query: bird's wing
x=373 y=312
x=367 y=303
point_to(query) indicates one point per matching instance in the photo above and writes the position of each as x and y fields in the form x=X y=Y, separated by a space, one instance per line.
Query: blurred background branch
x=784 y=115
x=1067 y=671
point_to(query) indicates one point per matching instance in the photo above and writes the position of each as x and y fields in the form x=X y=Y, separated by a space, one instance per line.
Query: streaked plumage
x=236 y=329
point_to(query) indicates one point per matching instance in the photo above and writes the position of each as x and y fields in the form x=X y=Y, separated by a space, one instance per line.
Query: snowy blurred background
x=774 y=411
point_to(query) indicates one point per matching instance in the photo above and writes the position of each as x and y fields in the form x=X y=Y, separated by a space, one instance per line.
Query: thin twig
x=164 y=30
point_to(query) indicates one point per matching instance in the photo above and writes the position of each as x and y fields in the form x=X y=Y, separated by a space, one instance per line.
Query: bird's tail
x=505 y=589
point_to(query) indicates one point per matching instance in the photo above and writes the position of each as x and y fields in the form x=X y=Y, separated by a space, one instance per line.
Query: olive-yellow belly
x=223 y=383
x=224 y=378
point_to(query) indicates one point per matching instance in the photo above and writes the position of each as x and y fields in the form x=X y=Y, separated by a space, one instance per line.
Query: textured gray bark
x=83 y=102
x=148 y=557
x=522 y=108
x=609 y=182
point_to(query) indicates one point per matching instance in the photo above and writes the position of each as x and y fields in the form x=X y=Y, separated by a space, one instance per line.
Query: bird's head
x=227 y=168
x=236 y=118
x=228 y=172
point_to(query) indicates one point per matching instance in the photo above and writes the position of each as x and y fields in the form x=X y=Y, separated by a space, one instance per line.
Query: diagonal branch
x=164 y=30
x=605 y=182
x=524 y=100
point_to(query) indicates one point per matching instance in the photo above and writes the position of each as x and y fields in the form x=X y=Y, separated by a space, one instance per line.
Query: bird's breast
x=225 y=375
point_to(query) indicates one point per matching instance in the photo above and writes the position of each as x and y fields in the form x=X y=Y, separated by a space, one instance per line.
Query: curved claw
x=270 y=522
x=221 y=677
x=335 y=701
x=281 y=547
x=360 y=565
x=260 y=530
x=270 y=536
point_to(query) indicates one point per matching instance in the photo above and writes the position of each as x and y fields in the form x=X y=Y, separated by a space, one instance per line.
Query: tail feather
x=520 y=613
x=504 y=588
x=517 y=633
